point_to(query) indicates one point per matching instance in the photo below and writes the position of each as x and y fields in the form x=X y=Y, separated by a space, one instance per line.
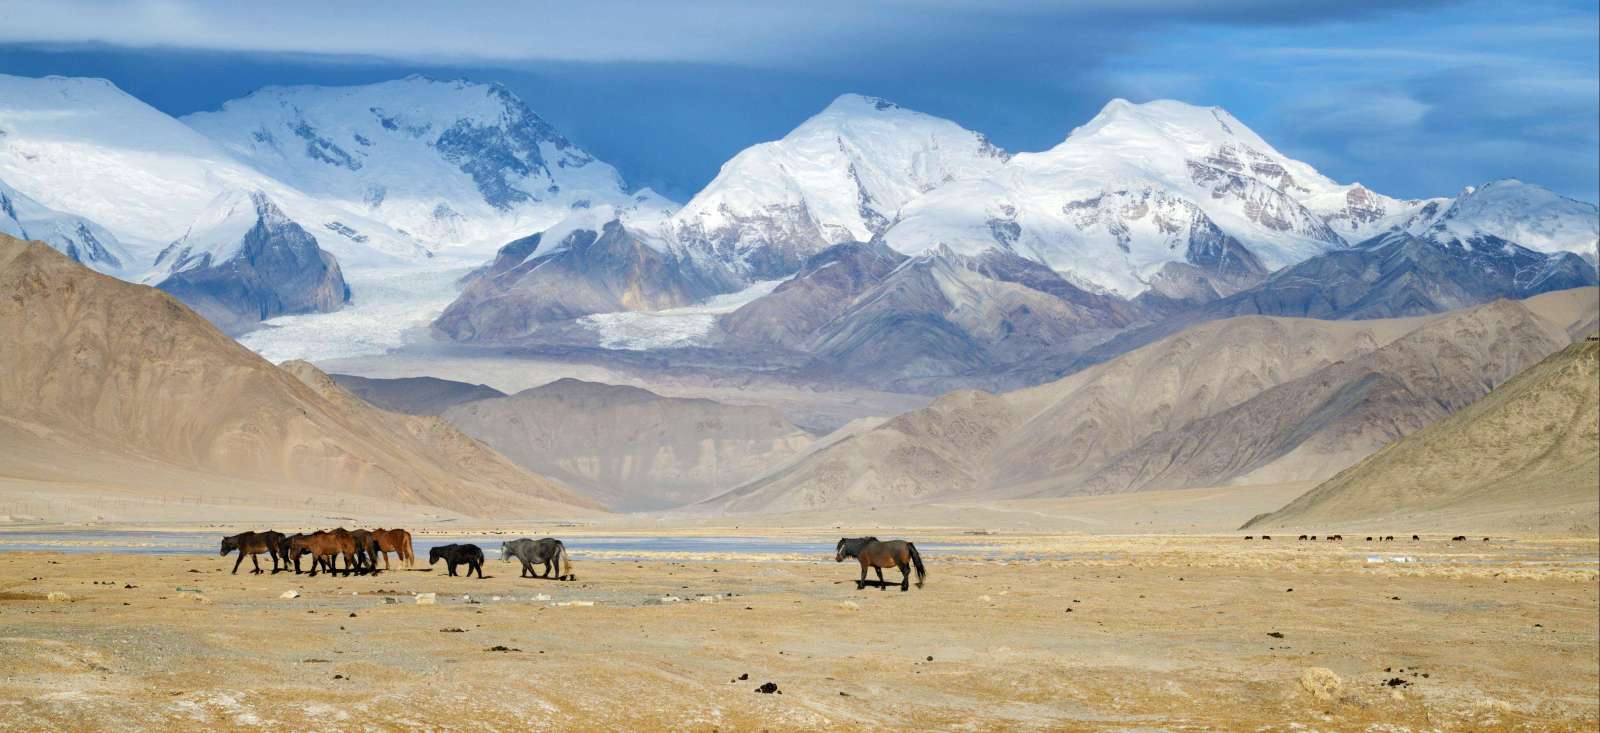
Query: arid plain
x=1013 y=631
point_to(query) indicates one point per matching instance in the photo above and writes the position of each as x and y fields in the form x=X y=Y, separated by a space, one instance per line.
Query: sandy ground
x=1104 y=633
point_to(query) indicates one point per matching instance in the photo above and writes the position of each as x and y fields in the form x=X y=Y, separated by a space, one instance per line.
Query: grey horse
x=549 y=551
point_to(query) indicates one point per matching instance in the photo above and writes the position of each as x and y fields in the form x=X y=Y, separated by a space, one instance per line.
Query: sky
x=1411 y=97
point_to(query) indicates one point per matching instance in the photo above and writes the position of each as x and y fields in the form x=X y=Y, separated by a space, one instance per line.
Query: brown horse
x=324 y=548
x=879 y=555
x=254 y=544
x=397 y=541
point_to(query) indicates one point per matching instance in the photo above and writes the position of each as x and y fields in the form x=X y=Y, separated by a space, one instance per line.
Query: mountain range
x=1007 y=267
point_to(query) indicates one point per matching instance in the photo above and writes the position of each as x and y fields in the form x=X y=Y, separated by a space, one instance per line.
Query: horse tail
x=405 y=544
x=563 y=563
x=916 y=561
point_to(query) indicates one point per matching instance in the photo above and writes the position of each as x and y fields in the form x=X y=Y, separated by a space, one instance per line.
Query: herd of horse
x=361 y=548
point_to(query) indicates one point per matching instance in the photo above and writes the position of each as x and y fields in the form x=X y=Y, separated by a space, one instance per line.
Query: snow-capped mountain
x=76 y=237
x=243 y=261
x=841 y=176
x=454 y=163
x=1527 y=214
x=1129 y=192
x=85 y=147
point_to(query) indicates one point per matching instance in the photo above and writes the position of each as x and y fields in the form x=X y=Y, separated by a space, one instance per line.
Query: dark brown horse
x=254 y=544
x=879 y=555
x=366 y=551
x=397 y=541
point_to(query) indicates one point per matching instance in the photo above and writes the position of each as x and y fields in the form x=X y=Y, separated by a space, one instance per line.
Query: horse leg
x=879 y=571
x=862 y=583
x=256 y=561
x=905 y=577
x=478 y=566
x=236 y=562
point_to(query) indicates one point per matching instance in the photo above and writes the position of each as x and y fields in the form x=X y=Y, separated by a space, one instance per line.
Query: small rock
x=1275 y=634
x=390 y=600
x=930 y=659
x=707 y=599
x=986 y=599
x=56 y=596
x=850 y=605
x=499 y=648
x=289 y=594
x=1322 y=683
x=744 y=676
x=452 y=630
x=541 y=597
x=427 y=599
x=1397 y=682
x=767 y=688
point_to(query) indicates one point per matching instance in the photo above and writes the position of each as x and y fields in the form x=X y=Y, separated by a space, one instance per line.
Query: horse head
x=434 y=555
x=229 y=544
x=505 y=552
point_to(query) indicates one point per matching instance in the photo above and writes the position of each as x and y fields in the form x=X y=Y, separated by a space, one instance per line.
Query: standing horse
x=549 y=551
x=454 y=555
x=366 y=551
x=879 y=555
x=397 y=541
x=254 y=544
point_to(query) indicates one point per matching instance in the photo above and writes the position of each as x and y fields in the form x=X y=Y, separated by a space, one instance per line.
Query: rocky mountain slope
x=1241 y=399
x=74 y=236
x=243 y=261
x=628 y=447
x=99 y=372
x=1524 y=457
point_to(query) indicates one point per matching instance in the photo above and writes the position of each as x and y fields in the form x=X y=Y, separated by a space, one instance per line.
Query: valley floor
x=1092 y=633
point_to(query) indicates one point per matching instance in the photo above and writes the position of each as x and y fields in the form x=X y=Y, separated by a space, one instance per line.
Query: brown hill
x=629 y=447
x=110 y=386
x=1245 y=399
x=1525 y=457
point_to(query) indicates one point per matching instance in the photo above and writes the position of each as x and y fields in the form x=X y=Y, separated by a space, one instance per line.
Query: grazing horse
x=397 y=541
x=454 y=555
x=550 y=551
x=254 y=544
x=879 y=555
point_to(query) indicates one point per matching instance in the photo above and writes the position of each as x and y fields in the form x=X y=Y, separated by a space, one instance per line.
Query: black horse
x=254 y=544
x=879 y=555
x=454 y=555
x=549 y=551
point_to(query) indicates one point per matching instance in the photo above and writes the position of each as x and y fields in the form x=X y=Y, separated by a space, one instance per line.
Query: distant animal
x=549 y=551
x=1369 y=539
x=397 y=541
x=286 y=551
x=1249 y=536
x=1459 y=538
x=1414 y=538
x=1486 y=539
x=1303 y=537
x=1336 y=538
x=876 y=554
x=1313 y=537
x=453 y=555
x=1266 y=536
x=253 y=544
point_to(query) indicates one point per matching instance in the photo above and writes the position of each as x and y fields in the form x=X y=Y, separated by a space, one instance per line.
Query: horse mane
x=851 y=546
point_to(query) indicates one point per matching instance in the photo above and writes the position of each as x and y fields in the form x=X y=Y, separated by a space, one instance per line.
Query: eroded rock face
x=274 y=268
x=605 y=269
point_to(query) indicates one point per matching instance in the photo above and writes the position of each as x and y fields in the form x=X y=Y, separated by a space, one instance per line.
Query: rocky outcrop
x=245 y=262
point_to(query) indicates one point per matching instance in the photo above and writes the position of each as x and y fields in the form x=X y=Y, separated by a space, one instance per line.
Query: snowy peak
x=219 y=232
x=842 y=175
x=453 y=162
x=84 y=241
x=1527 y=214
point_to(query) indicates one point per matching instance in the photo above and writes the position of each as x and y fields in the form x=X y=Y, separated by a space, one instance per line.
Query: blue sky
x=1413 y=98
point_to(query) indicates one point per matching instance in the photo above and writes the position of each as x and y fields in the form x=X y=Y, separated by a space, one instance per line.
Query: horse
x=253 y=544
x=286 y=547
x=879 y=555
x=454 y=555
x=325 y=547
x=550 y=551
x=366 y=551
x=397 y=541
